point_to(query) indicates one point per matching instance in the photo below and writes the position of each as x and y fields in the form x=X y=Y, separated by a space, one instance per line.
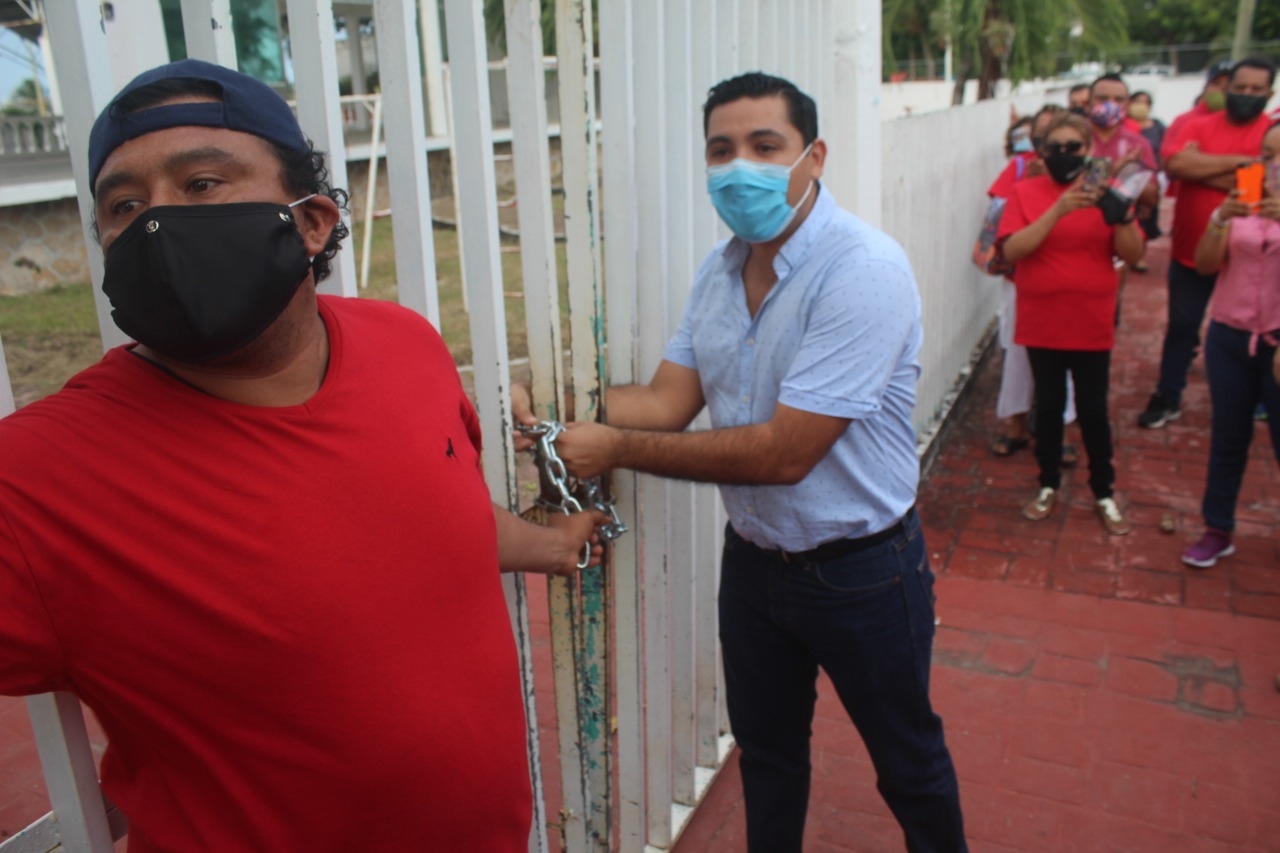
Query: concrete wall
x=41 y=245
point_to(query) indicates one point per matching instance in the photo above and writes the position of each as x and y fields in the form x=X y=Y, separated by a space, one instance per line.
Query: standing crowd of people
x=258 y=543
x=1080 y=200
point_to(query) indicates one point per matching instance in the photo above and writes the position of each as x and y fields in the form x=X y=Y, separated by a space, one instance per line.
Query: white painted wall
x=1170 y=95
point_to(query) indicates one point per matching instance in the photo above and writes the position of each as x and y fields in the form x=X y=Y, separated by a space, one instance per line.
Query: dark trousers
x=1092 y=374
x=1237 y=383
x=867 y=619
x=1189 y=294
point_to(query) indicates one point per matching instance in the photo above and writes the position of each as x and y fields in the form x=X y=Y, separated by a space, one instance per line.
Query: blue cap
x=248 y=105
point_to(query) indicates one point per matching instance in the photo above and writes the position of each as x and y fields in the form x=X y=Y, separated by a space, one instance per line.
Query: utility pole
x=1244 y=28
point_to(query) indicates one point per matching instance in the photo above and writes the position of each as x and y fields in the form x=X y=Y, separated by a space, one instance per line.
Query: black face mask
x=197 y=282
x=1064 y=168
x=1242 y=109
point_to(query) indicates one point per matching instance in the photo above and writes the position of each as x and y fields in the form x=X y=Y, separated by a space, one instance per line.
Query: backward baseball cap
x=1221 y=68
x=246 y=104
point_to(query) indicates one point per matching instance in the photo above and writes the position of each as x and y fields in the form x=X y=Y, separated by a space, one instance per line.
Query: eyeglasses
x=1053 y=148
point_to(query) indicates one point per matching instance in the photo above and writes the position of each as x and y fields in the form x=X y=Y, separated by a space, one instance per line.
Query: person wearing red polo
x=1067 y=288
x=1212 y=100
x=1203 y=158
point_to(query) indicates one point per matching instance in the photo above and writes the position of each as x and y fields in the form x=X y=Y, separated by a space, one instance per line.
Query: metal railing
x=26 y=135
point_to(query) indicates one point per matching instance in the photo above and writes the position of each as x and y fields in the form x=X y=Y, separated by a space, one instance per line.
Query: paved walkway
x=1098 y=695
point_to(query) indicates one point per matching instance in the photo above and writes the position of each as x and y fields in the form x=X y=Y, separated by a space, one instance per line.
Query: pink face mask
x=1107 y=114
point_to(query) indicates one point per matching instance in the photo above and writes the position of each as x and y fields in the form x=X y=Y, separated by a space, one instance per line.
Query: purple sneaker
x=1205 y=552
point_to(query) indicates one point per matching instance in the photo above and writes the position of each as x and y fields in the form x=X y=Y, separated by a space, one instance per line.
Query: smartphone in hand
x=1097 y=171
x=1249 y=183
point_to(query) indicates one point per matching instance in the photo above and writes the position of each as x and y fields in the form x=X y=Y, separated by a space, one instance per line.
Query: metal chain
x=573 y=494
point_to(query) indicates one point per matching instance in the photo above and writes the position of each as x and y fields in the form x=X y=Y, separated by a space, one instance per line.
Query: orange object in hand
x=1249 y=183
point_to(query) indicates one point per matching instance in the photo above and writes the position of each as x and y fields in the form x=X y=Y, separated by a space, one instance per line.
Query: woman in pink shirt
x=1240 y=347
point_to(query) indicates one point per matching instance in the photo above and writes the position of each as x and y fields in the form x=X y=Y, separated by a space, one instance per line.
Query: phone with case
x=1097 y=171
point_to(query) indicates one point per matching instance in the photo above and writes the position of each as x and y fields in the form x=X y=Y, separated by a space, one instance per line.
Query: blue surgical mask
x=751 y=197
x=1022 y=144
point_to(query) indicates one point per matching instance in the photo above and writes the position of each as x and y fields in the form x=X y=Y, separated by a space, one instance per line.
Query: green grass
x=50 y=336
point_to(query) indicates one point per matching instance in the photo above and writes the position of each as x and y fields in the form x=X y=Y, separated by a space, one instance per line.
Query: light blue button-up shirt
x=839 y=334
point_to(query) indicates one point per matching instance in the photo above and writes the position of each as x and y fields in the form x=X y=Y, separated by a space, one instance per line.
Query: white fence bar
x=526 y=91
x=69 y=773
x=315 y=72
x=479 y=251
x=678 y=85
x=75 y=31
x=653 y=493
x=405 y=129
x=748 y=47
x=852 y=107
x=620 y=217
x=433 y=64
x=206 y=28
x=583 y=598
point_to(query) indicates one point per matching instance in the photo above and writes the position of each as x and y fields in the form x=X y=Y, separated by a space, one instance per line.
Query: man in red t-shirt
x=258 y=543
x=1203 y=158
x=1212 y=99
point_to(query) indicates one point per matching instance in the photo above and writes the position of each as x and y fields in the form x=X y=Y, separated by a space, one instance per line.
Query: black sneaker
x=1159 y=412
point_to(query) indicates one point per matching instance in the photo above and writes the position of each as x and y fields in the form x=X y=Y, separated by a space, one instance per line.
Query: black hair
x=1114 y=78
x=1259 y=62
x=801 y=110
x=1144 y=93
x=1079 y=87
x=301 y=172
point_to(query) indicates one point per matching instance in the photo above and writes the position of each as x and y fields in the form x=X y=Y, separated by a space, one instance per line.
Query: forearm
x=1127 y=243
x=1211 y=251
x=1024 y=242
x=638 y=407
x=527 y=547
x=747 y=455
x=1192 y=165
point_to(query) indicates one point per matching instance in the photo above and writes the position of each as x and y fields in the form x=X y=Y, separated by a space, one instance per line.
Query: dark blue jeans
x=1189 y=294
x=867 y=619
x=1237 y=383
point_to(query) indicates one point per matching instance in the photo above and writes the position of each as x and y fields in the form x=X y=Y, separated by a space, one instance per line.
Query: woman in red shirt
x=1067 y=284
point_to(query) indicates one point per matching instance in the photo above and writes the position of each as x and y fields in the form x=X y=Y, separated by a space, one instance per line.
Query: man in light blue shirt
x=801 y=337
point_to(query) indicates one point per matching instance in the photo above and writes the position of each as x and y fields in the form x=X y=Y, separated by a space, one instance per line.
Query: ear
x=818 y=156
x=317 y=217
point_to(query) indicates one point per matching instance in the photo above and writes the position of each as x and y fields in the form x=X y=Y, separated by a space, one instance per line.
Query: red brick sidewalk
x=1098 y=694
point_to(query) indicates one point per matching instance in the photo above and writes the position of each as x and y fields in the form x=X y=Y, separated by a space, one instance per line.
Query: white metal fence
x=638 y=686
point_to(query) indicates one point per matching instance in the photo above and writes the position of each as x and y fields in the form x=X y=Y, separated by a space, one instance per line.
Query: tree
x=1161 y=22
x=907 y=25
x=1019 y=39
x=23 y=101
x=496 y=27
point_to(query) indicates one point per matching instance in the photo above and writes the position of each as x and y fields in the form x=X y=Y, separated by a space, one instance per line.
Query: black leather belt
x=841 y=547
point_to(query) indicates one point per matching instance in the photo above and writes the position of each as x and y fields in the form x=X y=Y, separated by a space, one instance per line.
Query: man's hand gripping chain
x=573 y=495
